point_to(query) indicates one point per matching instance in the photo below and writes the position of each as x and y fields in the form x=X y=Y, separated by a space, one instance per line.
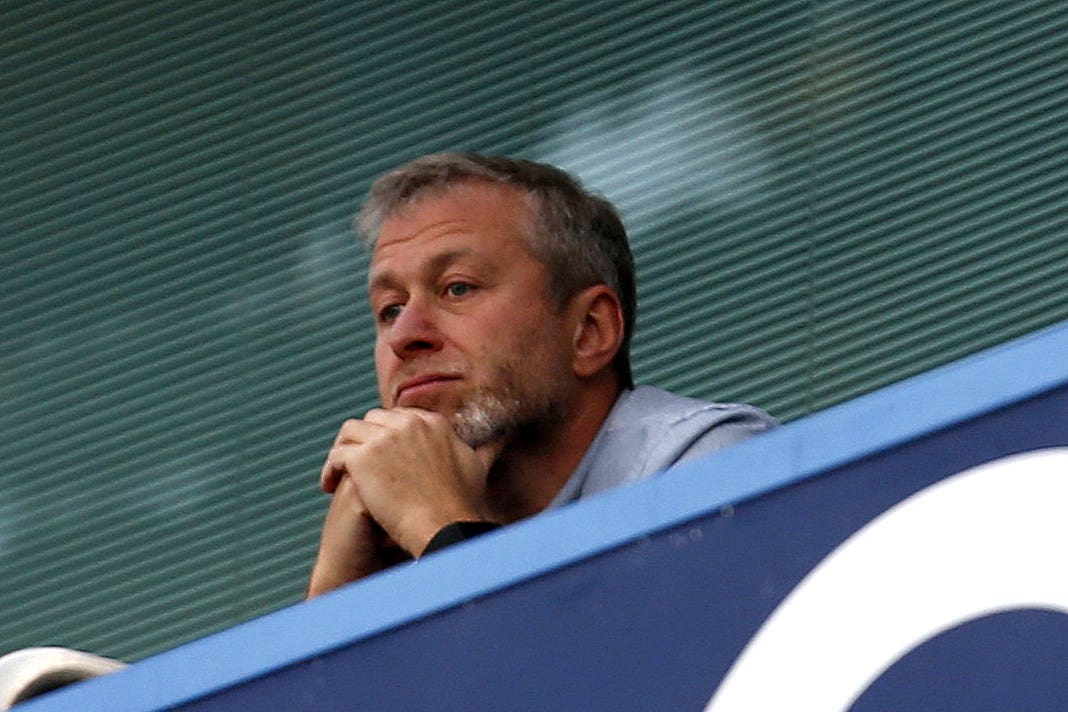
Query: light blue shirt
x=648 y=430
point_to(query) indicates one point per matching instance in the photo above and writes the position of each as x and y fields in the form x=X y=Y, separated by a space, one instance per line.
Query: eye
x=459 y=289
x=389 y=313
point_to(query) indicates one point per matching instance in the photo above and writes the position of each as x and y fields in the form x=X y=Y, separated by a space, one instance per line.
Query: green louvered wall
x=824 y=198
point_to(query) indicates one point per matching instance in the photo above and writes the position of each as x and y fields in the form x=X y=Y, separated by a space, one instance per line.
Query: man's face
x=465 y=324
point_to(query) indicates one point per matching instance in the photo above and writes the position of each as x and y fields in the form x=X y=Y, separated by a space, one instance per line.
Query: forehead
x=473 y=216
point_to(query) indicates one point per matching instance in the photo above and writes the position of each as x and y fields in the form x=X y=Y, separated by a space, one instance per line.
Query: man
x=504 y=299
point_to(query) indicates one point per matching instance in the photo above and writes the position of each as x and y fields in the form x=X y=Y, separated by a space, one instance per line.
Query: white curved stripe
x=988 y=539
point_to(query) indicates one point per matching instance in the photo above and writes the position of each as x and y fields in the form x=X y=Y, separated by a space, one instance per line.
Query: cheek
x=383 y=371
x=539 y=346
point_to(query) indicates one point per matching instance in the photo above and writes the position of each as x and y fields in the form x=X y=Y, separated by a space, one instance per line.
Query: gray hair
x=578 y=235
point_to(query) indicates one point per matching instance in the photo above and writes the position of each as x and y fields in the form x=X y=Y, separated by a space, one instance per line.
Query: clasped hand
x=397 y=477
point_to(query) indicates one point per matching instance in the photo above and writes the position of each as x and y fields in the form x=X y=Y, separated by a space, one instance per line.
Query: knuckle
x=429 y=417
x=346 y=427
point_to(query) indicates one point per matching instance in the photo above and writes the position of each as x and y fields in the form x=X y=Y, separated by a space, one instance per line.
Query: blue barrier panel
x=901 y=551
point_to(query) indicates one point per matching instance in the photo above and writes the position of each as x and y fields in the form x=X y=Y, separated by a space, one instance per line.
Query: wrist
x=457 y=532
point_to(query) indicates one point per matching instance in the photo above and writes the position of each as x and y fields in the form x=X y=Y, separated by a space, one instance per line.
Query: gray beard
x=487 y=417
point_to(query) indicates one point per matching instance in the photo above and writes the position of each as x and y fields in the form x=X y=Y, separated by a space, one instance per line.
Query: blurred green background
x=823 y=197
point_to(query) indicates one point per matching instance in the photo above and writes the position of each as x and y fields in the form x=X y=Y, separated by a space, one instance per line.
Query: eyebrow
x=436 y=265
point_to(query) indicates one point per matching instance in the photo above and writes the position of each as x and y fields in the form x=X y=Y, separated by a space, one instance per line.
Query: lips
x=424 y=383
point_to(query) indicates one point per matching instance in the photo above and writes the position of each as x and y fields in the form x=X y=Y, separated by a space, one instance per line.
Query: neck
x=529 y=473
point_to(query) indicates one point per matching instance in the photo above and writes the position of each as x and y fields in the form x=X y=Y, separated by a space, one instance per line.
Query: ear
x=598 y=329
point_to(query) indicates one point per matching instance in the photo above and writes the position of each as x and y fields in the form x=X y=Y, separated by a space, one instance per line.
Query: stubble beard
x=519 y=407
x=485 y=417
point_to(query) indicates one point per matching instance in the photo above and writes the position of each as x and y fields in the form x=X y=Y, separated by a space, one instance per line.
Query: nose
x=413 y=332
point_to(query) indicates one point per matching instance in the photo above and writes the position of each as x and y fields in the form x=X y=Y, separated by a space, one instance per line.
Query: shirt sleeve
x=456 y=532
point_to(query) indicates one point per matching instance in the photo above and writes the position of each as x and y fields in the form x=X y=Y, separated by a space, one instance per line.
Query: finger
x=335 y=467
x=378 y=416
x=489 y=453
x=329 y=477
x=357 y=430
x=353 y=431
x=347 y=489
x=402 y=417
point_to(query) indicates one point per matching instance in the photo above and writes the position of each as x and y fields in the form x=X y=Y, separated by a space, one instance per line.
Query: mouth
x=418 y=386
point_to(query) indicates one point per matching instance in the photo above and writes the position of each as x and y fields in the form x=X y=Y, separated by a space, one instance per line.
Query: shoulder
x=655 y=408
x=650 y=429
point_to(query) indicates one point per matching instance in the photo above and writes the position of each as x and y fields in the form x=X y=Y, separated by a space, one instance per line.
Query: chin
x=431 y=403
